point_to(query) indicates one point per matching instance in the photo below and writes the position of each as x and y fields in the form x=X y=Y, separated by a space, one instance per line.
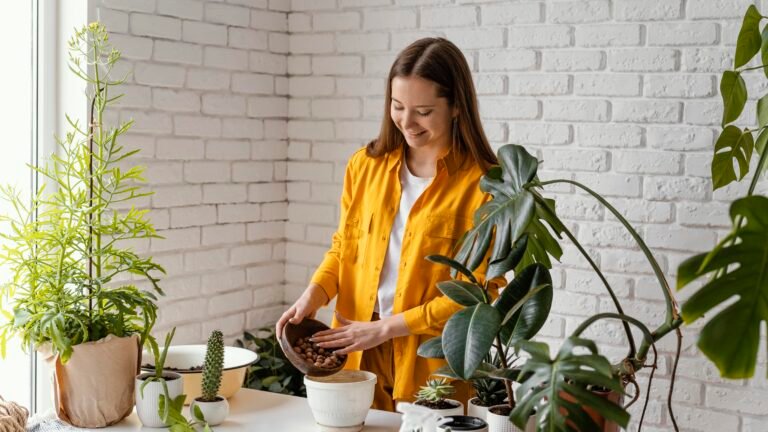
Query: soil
x=478 y=402
x=501 y=410
x=173 y=369
x=440 y=405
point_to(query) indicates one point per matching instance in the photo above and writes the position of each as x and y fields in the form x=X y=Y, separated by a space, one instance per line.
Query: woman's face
x=424 y=118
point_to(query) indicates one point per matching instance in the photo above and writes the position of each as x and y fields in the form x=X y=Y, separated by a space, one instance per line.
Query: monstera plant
x=518 y=230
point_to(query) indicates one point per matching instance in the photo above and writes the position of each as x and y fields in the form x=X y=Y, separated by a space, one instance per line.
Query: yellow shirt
x=352 y=266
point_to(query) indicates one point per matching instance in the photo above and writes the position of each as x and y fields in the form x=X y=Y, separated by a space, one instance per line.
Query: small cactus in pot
x=210 y=406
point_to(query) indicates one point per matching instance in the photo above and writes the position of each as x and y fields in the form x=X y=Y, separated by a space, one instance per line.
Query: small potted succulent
x=434 y=396
x=214 y=408
x=488 y=392
x=153 y=385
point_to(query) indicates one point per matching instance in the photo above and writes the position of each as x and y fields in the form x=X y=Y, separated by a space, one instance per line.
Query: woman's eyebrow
x=415 y=106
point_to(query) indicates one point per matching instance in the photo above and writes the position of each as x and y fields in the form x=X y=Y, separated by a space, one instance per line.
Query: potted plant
x=175 y=420
x=68 y=253
x=434 y=396
x=153 y=385
x=576 y=389
x=213 y=407
x=488 y=392
x=273 y=372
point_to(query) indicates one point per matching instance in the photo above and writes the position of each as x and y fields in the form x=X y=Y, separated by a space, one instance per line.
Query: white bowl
x=341 y=400
x=182 y=358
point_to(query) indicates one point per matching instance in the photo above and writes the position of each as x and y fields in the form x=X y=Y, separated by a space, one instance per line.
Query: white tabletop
x=255 y=410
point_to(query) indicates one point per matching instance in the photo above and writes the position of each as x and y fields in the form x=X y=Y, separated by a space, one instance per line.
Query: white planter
x=459 y=410
x=500 y=423
x=476 y=410
x=465 y=423
x=147 y=404
x=340 y=402
x=213 y=412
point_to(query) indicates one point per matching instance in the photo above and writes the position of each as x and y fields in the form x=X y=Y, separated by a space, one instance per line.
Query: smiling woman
x=16 y=122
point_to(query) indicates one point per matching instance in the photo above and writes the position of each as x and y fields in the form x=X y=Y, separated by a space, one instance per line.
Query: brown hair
x=440 y=61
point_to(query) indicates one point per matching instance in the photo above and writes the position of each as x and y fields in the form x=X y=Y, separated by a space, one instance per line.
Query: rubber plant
x=68 y=247
x=524 y=230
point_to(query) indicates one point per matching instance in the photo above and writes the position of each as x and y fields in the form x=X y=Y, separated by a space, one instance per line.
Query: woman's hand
x=310 y=301
x=361 y=335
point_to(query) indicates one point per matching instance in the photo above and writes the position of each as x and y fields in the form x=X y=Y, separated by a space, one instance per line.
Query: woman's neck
x=422 y=162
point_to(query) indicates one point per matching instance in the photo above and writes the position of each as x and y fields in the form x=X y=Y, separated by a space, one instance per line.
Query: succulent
x=214 y=363
x=490 y=391
x=436 y=390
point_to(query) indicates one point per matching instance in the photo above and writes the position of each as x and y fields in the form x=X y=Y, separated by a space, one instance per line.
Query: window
x=18 y=145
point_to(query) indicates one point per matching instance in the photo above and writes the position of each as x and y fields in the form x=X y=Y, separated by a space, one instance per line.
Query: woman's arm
x=310 y=301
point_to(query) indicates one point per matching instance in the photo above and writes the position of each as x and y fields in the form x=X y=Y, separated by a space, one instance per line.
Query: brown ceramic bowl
x=306 y=328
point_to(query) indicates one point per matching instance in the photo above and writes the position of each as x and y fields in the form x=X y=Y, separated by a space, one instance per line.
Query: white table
x=255 y=410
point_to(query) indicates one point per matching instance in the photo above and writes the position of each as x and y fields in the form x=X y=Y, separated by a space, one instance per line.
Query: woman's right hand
x=310 y=301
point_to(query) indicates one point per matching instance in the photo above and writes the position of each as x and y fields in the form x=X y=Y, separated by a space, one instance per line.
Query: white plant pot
x=340 y=402
x=458 y=410
x=474 y=410
x=500 y=423
x=148 y=403
x=464 y=423
x=214 y=412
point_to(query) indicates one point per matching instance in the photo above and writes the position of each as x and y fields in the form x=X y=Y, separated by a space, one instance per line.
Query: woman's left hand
x=360 y=335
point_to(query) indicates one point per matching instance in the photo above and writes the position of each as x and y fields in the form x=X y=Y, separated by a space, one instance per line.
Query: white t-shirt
x=412 y=187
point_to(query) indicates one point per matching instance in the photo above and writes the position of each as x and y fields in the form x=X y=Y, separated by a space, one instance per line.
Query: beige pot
x=95 y=387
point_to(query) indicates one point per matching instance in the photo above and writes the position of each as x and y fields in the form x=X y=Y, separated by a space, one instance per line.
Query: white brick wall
x=210 y=119
x=248 y=110
x=619 y=94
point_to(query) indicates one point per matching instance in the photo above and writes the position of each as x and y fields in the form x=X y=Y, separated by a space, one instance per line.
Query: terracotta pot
x=95 y=387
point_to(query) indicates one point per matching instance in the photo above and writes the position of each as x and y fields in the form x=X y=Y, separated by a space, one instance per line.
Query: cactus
x=435 y=391
x=214 y=363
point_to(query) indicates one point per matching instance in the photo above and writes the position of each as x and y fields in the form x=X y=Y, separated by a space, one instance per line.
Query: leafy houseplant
x=176 y=420
x=273 y=372
x=156 y=385
x=434 y=396
x=560 y=389
x=66 y=249
x=214 y=407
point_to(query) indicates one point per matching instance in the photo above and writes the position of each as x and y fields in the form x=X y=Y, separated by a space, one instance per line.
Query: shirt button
x=377 y=268
x=383 y=238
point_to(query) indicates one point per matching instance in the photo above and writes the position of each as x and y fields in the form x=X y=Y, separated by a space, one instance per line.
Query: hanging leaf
x=501 y=267
x=762 y=111
x=743 y=255
x=732 y=144
x=749 y=40
x=463 y=293
x=454 y=265
x=764 y=50
x=531 y=316
x=734 y=93
x=432 y=348
x=468 y=336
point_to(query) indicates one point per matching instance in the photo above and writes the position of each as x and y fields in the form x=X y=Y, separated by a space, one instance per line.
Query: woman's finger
x=327 y=335
x=336 y=343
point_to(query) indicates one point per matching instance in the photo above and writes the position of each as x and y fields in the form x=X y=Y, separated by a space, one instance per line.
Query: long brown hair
x=440 y=61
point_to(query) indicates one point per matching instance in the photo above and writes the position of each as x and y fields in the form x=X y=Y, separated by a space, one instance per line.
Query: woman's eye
x=425 y=113
x=397 y=108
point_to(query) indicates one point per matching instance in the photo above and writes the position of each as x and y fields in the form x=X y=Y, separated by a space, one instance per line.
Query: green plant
x=489 y=391
x=159 y=366
x=172 y=416
x=273 y=372
x=514 y=221
x=67 y=249
x=436 y=390
x=214 y=362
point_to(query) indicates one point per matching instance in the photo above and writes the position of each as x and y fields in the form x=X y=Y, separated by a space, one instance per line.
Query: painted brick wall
x=209 y=94
x=619 y=94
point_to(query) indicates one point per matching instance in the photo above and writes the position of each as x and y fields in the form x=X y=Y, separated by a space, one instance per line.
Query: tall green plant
x=212 y=368
x=66 y=249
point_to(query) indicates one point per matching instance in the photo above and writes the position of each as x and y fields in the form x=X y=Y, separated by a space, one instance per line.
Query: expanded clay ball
x=321 y=357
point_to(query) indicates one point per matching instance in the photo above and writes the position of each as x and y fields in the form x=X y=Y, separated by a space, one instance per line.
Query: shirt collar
x=453 y=161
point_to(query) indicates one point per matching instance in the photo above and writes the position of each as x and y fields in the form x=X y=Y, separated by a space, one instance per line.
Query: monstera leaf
x=731 y=338
x=529 y=316
x=732 y=144
x=556 y=388
x=507 y=217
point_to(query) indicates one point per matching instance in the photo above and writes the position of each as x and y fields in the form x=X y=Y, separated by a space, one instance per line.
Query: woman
x=410 y=193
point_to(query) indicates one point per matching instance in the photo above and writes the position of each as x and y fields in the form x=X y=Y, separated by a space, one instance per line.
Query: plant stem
x=594 y=266
x=507 y=384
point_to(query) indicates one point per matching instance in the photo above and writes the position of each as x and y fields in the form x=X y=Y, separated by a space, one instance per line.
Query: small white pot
x=340 y=401
x=475 y=410
x=464 y=423
x=214 y=412
x=458 y=410
x=500 y=423
x=148 y=403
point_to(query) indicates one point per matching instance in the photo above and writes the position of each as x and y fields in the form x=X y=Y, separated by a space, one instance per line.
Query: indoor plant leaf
x=731 y=144
x=527 y=321
x=555 y=388
x=762 y=111
x=734 y=93
x=432 y=348
x=764 y=49
x=462 y=292
x=749 y=40
x=468 y=336
x=745 y=262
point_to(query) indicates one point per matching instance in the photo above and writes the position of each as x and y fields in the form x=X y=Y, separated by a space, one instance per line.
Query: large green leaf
x=468 y=336
x=462 y=292
x=432 y=348
x=556 y=388
x=749 y=41
x=762 y=111
x=764 y=49
x=532 y=315
x=731 y=144
x=731 y=338
x=507 y=217
x=734 y=93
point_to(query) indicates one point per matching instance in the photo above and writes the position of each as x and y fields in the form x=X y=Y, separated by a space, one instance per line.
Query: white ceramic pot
x=148 y=402
x=214 y=412
x=464 y=423
x=475 y=410
x=340 y=401
x=458 y=410
x=500 y=423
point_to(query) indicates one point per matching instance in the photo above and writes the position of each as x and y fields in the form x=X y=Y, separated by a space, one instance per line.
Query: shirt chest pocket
x=444 y=232
x=354 y=238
